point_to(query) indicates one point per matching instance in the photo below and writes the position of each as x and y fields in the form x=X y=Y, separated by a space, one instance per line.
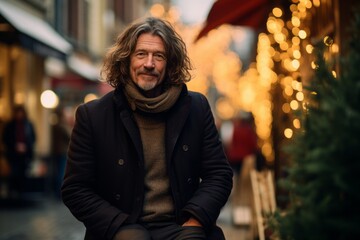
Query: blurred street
x=289 y=69
x=44 y=218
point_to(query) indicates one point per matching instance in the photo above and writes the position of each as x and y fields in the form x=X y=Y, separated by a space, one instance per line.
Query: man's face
x=148 y=62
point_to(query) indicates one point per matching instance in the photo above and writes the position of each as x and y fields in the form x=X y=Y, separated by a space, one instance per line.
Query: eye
x=140 y=54
x=159 y=56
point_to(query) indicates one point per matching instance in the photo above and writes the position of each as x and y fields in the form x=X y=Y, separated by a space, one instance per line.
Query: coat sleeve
x=216 y=174
x=78 y=189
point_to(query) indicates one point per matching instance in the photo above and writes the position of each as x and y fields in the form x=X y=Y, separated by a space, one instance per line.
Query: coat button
x=121 y=161
x=189 y=181
x=117 y=197
x=185 y=148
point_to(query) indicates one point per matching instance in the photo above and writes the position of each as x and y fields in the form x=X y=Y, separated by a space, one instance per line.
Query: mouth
x=151 y=74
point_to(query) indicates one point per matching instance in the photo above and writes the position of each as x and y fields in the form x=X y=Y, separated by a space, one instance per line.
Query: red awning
x=251 y=13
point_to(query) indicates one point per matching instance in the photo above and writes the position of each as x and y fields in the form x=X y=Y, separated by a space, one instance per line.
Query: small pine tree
x=324 y=178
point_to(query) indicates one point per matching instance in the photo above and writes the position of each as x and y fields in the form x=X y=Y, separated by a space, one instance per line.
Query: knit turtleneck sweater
x=158 y=203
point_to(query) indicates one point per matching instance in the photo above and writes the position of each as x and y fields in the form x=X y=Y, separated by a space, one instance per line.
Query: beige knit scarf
x=157 y=104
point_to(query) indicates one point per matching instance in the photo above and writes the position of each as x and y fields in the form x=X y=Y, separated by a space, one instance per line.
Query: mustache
x=148 y=72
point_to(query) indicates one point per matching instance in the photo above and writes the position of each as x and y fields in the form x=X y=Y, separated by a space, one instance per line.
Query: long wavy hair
x=116 y=66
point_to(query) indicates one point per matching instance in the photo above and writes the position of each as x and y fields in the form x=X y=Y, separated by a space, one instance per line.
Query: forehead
x=150 y=41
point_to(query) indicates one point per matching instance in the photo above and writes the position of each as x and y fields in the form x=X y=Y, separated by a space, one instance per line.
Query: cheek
x=134 y=68
x=162 y=69
x=135 y=64
x=133 y=73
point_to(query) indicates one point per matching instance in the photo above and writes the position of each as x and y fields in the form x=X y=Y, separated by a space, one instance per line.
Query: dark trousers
x=164 y=231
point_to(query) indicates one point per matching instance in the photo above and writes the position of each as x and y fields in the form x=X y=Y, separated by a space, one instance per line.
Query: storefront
x=26 y=43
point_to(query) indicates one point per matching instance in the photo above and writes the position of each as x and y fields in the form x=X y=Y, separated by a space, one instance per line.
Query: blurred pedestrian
x=243 y=141
x=145 y=161
x=59 y=146
x=19 y=139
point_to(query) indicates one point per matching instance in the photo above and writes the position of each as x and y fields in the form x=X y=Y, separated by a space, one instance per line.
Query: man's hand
x=192 y=222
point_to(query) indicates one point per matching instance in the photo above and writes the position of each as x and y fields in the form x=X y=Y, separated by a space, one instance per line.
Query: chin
x=147 y=86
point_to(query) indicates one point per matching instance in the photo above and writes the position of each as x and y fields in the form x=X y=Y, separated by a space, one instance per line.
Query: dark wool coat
x=104 y=181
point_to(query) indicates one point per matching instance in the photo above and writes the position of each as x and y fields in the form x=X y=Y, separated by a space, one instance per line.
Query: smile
x=149 y=74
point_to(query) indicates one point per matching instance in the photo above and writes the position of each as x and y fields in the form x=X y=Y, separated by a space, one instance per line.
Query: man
x=145 y=161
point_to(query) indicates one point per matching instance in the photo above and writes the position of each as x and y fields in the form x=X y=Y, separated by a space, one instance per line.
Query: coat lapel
x=129 y=122
x=133 y=132
x=175 y=123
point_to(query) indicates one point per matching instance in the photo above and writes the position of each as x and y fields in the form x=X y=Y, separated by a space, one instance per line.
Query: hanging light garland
x=282 y=57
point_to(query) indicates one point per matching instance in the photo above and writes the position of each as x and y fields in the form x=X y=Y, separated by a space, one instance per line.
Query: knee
x=216 y=233
x=132 y=232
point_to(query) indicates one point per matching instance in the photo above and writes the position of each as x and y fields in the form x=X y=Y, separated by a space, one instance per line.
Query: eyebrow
x=145 y=50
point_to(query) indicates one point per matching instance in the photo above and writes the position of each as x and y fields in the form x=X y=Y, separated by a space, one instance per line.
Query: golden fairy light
x=334 y=74
x=288 y=132
x=316 y=3
x=286 y=108
x=294 y=105
x=309 y=48
x=300 y=96
x=291 y=43
x=314 y=65
x=328 y=41
x=296 y=123
x=334 y=48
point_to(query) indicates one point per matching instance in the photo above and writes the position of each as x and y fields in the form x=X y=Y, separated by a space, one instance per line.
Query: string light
x=316 y=3
x=300 y=96
x=309 y=48
x=288 y=132
x=334 y=74
x=277 y=12
x=328 y=41
x=294 y=105
x=296 y=123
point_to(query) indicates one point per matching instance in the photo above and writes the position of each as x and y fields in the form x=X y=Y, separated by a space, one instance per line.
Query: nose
x=149 y=62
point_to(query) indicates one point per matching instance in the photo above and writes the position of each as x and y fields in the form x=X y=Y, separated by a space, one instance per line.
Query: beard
x=146 y=85
x=148 y=81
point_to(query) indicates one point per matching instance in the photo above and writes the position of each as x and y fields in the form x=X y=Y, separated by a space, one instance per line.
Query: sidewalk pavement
x=40 y=218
